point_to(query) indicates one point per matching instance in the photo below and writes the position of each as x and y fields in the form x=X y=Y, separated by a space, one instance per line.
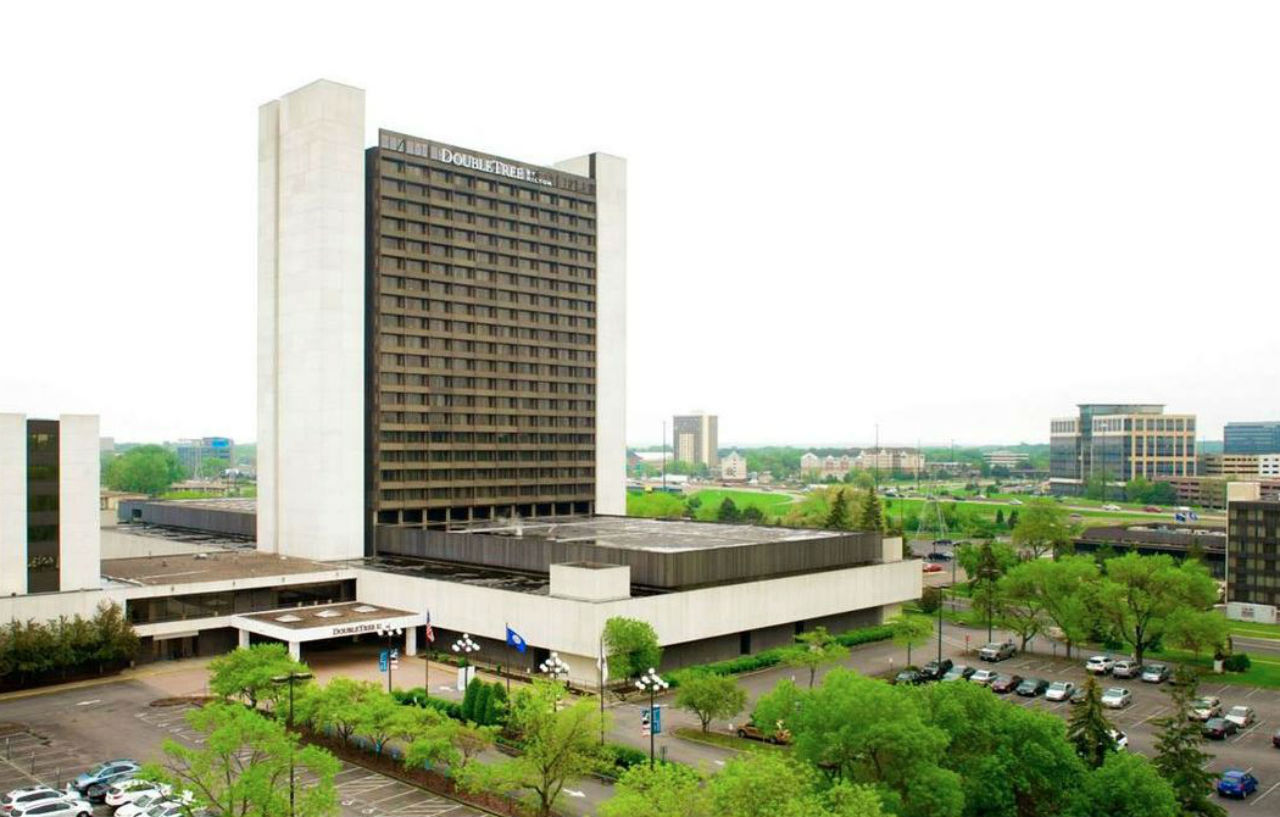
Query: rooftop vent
x=328 y=614
x=288 y=618
x=364 y=608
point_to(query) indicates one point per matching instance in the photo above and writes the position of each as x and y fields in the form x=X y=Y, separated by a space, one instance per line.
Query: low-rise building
x=733 y=468
x=1253 y=551
x=1006 y=459
x=1211 y=492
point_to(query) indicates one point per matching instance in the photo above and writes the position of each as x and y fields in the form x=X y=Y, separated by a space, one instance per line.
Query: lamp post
x=389 y=633
x=465 y=646
x=557 y=670
x=289 y=679
x=651 y=682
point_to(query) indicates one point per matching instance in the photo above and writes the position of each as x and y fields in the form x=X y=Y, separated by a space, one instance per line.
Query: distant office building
x=1251 y=438
x=733 y=468
x=1005 y=459
x=50 y=538
x=1211 y=492
x=1253 y=548
x=198 y=456
x=694 y=437
x=890 y=461
x=1231 y=465
x=1119 y=442
x=814 y=467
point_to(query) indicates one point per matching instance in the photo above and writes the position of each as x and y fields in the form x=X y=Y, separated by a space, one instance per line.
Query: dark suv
x=934 y=670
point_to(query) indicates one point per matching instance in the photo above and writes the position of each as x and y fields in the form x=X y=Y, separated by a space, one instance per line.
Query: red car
x=1151 y=509
x=930 y=567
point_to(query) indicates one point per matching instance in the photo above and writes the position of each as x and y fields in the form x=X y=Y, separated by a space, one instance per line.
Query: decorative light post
x=389 y=633
x=289 y=679
x=651 y=682
x=557 y=670
x=465 y=646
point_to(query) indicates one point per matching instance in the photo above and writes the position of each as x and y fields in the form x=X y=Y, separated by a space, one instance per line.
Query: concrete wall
x=311 y=323
x=13 y=504
x=610 y=173
x=80 y=490
x=120 y=543
x=192 y=516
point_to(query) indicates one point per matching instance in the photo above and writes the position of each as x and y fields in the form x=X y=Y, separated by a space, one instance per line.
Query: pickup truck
x=750 y=731
x=997 y=652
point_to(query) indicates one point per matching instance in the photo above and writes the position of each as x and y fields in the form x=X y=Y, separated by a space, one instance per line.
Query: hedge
x=418 y=697
x=777 y=655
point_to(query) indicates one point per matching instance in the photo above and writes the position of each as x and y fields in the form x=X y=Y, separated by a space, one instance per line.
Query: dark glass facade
x=1251 y=438
x=1253 y=552
x=229 y=602
x=43 y=540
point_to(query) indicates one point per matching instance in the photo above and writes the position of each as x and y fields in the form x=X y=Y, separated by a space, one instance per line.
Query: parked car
x=1004 y=683
x=1120 y=739
x=934 y=670
x=1275 y=739
x=1241 y=716
x=960 y=672
x=997 y=652
x=66 y=806
x=126 y=791
x=938 y=556
x=1155 y=673
x=1218 y=728
x=930 y=567
x=747 y=731
x=21 y=798
x=1126 y=668
x=1111 y=507
x=1151 y=509
x=1235 y=783
x=1205 y=708
x=107 y=773
x=142 y=804
x=1117 y=698
x=1099 y=664
x=1059 y=691
x=1079 y=696
x=1031 y=687
x=983 y=677
x=908 y=676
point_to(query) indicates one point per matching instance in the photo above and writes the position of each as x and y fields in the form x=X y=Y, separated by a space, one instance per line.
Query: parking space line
x=1246 y=733
x=1253 y=692
x=393 y=796
x=1258 y=799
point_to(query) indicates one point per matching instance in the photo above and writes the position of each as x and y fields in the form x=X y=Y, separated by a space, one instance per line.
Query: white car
x=169 y=808
x=983 y=677
x=21 y=798
x=1241 y=716
x=1059 y=691
x=1120 y=739
x=1202 y=709
x=142 y=803
x=1117 y=698
x=1099 y=664
x=127 y=791
x=1110 y=507
x=72 y=806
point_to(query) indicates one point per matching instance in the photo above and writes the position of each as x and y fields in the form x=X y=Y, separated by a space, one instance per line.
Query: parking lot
x=1250 y=749
x=54 y=737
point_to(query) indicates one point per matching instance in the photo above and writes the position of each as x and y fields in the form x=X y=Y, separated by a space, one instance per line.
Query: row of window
x=399 y=343
x=483 y=474
x=430 y=248
x=436 y=399
x=416 y=323
x=490 y=329
x=482 y=183
x=486 y=438
x=448 y=456
x=391 y=181
x=460 y=293
x=509 y=279
x=440 y=418
x=455 y=307
x=542 y=370
x=436 y=381
x=541 y=267
x=486 y=492
x=410 y=227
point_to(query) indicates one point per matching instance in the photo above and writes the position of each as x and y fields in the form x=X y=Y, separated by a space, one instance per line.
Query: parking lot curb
x=141 y=674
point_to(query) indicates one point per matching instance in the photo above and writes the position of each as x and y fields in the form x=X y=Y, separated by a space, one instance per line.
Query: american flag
x=431 y=634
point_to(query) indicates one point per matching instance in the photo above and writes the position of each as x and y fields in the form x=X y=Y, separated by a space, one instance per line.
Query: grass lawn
x=663 y=505
x=1254 y=629
x=724 y=741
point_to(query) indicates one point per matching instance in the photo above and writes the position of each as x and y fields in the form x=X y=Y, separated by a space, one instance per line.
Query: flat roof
x=325 y=615
x=634 y=533
x=207 y=567
x=232 y=504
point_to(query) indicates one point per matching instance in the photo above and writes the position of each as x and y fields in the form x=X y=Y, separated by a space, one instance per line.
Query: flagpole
x=600 y=667
x=507 y=635
x=426 y=660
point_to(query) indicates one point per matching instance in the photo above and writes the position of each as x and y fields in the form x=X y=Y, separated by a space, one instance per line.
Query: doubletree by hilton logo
x=494 y=166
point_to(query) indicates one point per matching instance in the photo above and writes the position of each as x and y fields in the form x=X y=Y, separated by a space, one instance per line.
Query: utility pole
x=664 y=455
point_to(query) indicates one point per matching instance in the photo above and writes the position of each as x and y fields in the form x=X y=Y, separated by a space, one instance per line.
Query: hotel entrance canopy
x=298 y=625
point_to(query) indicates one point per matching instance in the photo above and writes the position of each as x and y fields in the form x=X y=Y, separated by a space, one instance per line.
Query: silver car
x=1126 y=668
x=1117 y=698
x=63 y=807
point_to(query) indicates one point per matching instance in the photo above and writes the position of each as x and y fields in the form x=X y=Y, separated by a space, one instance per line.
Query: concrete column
x=244 y=639
x=13 y=504
x=79 y=488
x=410 y=640
x=295 y=650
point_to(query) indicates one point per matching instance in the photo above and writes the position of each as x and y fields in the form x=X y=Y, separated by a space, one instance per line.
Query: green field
x=671 y=506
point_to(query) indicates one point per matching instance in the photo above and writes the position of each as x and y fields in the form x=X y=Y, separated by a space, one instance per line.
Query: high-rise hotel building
x=441 y=331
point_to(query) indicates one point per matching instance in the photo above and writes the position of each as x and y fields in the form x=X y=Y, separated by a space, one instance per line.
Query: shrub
x=1239 y=662
x=777 y=655
x=616 y=758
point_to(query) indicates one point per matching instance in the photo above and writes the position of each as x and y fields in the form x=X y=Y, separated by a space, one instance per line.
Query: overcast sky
x=955 y=220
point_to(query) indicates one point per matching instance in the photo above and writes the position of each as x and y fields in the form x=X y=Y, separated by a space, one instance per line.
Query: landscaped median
x=776 y=656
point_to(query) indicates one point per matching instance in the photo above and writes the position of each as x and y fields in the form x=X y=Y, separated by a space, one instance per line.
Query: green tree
x=815 y=648
x=1179 y=758
x=632 y=646
x=765 y=785
x=930 y=599
x=448 y=741
x=113 y=639
x=711 y=697
x=1064 y=590
x=147 y=469
x=752 y=515
x=249 y=673
x=335 y=706
x=379 y=718
x=1000 y=517
x=1126 y=786
x=469 y=697
x=1140 y=594
x=244 y=765
x=1088 y=728
x=1197 y=631
x=911 y=631
x=1044 y=527
x=870 y=514
x=1020 y=605
x=1013 y=519
x=728 y=512
x=838 y=514
x=665 y=790
x=559 y=747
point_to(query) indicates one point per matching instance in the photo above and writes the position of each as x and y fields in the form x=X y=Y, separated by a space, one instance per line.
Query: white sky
x=955 y=220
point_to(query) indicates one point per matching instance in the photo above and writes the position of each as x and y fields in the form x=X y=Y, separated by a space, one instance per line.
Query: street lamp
x=651 y=682
x=556 y=670
x=289 y=679
x=465 y=646
x=389 y=633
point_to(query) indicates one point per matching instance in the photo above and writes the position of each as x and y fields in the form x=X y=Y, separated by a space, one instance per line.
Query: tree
x=1000 y=517
x=930 y=599
x=1196 y=631
x=469 y=696
x=380 y=717
x=911 y=631
x=147 y=469
x=664 y=790
x=1044 y=527
x=1064 y=591
x=1127 y=785
x=816 y=647
x=870 y=514
x=711 y=697
x=1088 y=728
x=632 y=646
x=752 y=515
x=1178 y=756
x=765 y=785
x=1139 y=594
x=243 y=767
x=1013 y=518
x=446 y=740
x=114 y=640
x=334 y=706
x=838 y=514
x=728 y=512
x=249 y=673
x=559 y=746
x=1020 y=606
